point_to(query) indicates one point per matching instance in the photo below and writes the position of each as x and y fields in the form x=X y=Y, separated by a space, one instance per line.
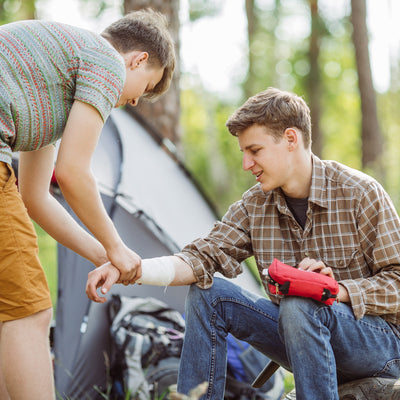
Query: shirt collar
x=317 y=190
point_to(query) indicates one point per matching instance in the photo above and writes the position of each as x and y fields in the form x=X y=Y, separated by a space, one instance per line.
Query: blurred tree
x=340 y=99
x=319 y=65
x=211 y=153
x=162 y=115
x=14 y=10
x=252 y=27
x=372 y=140
x=263 y=47
x=314 y=77
x=388 y=106
x=98 y=6
x=204 y=8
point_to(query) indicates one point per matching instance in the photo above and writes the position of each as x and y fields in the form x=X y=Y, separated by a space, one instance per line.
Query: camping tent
x=157 y=209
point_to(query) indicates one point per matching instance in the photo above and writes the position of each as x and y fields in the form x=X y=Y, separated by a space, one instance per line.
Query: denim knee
x=193 y=293
x=196 y=293
x=197 y=297
x=295 y=311
x=291 y=306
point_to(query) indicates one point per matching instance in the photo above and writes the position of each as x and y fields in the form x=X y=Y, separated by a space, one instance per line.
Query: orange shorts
x=23 y=285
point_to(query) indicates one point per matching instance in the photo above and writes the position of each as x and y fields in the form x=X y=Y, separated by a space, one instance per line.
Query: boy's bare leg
x=25 y=357
x=3 y=390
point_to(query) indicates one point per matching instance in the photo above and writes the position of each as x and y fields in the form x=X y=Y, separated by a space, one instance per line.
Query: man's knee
x=294 y=311
x=293 y=305
x=199 y=299
x=196 y=293
x=195 y=297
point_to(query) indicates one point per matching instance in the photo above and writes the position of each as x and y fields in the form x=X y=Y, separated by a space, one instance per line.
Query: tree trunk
x=162 y=116
x=372 y=141
x=251 y=29
x=314 y=78
x=262 y=65
x=27 y=10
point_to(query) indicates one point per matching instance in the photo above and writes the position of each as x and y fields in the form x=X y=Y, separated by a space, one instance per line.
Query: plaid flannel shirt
x=352 y=226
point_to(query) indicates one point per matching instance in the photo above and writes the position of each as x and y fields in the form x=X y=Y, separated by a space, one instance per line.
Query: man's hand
x=127 y=262
x=309 y=264
x=104 y=277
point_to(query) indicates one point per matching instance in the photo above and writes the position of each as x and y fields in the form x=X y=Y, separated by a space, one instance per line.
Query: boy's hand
x=127 y=262
x=104 y=277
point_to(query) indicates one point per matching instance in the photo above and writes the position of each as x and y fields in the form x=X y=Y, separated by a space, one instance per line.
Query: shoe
x=364 y=389
x=370 y=389
x=290 y=396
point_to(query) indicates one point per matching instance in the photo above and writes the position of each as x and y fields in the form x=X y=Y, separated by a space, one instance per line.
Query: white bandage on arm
x=159 y=271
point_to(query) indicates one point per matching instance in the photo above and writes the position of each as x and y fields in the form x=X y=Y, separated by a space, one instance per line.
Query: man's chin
x=266 y=188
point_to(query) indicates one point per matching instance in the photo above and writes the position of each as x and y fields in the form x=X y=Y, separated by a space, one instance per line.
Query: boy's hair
x=276 y=110
x=145 y=30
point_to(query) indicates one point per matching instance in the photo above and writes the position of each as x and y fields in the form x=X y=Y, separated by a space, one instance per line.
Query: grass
x=48 y=258
x=289 y=382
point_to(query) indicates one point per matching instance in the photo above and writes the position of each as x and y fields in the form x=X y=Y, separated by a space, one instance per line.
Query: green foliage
x=203 y=8
x=210 y=151
x=289 y=382
x=340 y=101
x=388 y=104
x=95 y=8
x=48 y=259
x=279 y=58
x=14 y=10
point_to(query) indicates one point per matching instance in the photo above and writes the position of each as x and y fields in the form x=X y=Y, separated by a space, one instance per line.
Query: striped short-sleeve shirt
x=352 y=226
x=44 y=67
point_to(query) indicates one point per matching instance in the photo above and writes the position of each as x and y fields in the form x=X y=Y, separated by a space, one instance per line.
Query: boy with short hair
x=62 y=82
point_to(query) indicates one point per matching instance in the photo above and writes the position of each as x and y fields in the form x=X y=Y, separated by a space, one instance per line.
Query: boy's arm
x=78 y=185
x=161 y=271
x=34 y=174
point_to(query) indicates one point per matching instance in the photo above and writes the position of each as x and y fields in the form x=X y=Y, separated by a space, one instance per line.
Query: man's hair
x=145 y=30
x=275 y=109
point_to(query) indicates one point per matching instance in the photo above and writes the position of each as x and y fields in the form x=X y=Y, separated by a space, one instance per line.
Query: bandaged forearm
x=159 y=271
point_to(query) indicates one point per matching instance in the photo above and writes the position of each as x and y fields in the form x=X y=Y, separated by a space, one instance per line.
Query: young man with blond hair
x=61 y=82
x=319 y=216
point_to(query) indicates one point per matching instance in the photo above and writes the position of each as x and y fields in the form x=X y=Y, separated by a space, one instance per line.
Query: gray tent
x=157 y=209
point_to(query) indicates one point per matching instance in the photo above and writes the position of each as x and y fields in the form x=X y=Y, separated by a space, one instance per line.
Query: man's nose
x=247 y=162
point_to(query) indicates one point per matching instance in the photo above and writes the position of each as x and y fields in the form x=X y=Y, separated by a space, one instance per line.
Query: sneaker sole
x=370 y=389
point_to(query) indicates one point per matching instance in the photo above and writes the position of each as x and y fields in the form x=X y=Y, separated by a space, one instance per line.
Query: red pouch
x=286 y=280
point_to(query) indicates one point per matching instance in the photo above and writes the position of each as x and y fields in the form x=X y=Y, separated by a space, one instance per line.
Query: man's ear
x=292 y=138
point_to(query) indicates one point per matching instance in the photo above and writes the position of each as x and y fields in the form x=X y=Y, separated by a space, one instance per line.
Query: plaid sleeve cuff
x=356 y=298
x=204 y=279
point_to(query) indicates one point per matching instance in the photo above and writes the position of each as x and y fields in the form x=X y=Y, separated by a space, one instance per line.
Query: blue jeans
x=322 y=345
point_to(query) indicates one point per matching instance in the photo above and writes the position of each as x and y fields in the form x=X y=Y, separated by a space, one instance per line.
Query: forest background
x=323 y=50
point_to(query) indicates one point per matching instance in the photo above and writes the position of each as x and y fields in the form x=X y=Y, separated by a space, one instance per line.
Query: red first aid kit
x=286 y=280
